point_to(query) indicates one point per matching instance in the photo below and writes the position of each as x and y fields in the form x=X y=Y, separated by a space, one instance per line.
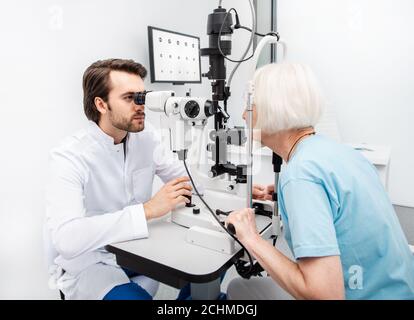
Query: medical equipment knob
x=190 y=204
x=192 y=109
x=231 y=229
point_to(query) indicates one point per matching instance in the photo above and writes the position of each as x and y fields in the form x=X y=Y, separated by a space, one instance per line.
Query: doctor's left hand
x=245 y=224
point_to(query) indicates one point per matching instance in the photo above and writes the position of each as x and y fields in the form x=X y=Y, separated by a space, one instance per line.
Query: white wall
x=363 y=53
x=46 y=46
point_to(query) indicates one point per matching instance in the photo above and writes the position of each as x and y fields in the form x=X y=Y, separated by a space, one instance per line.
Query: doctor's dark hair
x=96 y=82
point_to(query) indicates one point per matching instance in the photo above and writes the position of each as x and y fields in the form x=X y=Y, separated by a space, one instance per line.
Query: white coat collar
x=98 y=133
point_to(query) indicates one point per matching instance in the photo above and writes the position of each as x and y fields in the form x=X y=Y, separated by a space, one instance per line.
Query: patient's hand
x=244 y=223
x=261 y=192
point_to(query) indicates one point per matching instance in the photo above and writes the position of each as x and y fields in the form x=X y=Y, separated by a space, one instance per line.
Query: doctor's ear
x=101 y=105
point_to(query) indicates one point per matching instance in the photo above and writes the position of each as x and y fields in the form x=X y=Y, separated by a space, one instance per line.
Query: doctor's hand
x=168 y=197
x=245 y=224
x=263 y=192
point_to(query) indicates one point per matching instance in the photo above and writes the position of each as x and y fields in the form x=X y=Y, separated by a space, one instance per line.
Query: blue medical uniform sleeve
x=309 y=219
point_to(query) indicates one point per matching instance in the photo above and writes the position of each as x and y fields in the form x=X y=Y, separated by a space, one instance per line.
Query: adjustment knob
x=192 y=109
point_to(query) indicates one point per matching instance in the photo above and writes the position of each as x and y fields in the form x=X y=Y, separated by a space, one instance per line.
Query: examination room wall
x=363 y=55
x=45 y=47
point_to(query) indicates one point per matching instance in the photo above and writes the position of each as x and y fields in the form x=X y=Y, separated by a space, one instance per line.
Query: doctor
x=100 y=186
x=338 y=220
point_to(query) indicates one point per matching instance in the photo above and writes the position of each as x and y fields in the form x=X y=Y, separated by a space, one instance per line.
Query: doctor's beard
x=136 y=123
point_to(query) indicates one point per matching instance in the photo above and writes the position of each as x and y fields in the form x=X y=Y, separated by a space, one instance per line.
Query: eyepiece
x=139 y=97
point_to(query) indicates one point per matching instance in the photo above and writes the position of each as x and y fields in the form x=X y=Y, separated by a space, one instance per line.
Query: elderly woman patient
x=338 y=220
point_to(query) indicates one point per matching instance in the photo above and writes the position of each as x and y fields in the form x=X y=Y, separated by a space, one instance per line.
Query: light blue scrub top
x=332 y=202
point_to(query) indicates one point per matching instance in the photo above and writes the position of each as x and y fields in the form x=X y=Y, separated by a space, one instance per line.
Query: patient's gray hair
x=286 y=96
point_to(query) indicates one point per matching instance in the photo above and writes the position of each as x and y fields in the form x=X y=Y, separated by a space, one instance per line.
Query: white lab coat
x=95 y=197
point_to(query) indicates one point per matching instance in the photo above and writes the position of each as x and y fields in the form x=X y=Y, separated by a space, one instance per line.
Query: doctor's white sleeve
x=72 y=232
x=168 y=167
